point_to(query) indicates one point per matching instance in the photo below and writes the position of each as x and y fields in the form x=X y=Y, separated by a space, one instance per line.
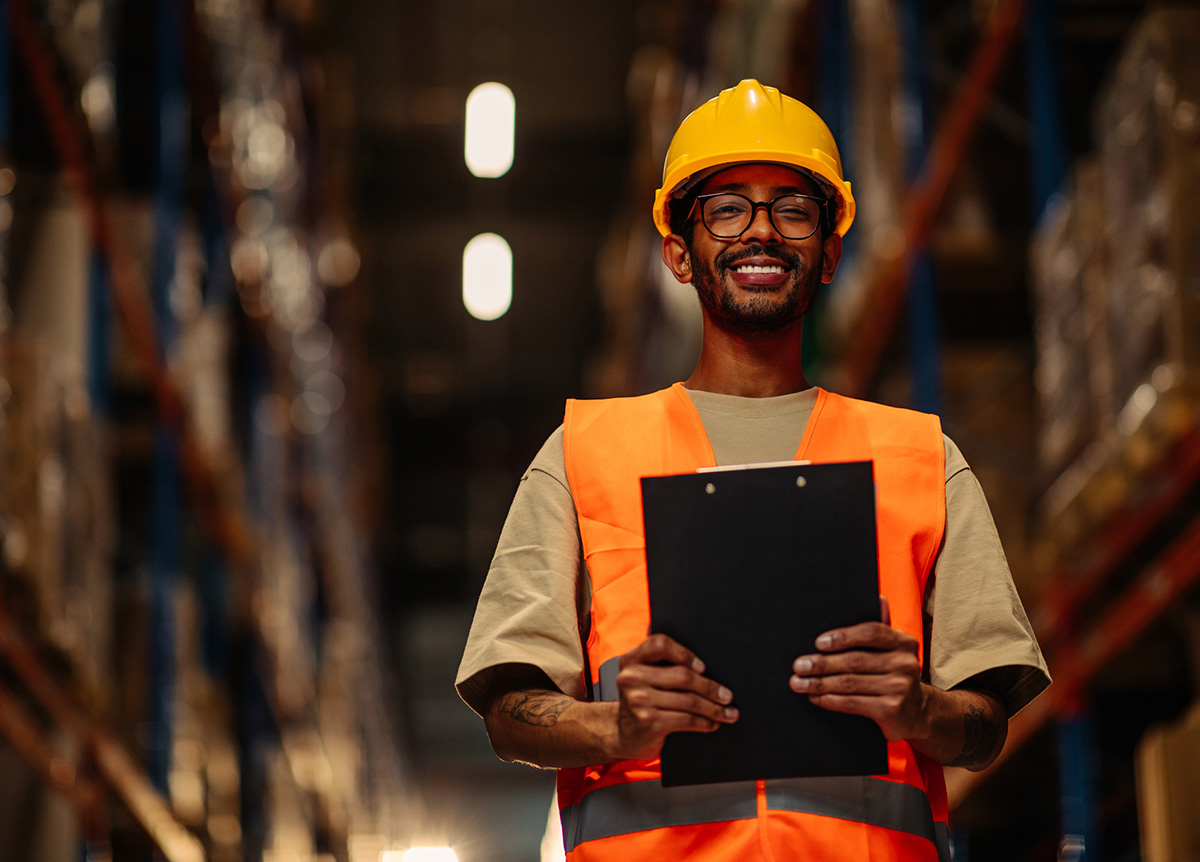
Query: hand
x=662 y=690
x=869 y=669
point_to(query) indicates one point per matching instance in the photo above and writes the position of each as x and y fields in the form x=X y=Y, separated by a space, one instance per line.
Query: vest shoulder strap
x=645 y=435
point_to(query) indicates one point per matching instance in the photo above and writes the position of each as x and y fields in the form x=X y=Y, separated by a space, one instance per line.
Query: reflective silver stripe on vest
x=862 y=799
x=606 y=688
x=942 y=840
x=624 y=808
x=636 y=806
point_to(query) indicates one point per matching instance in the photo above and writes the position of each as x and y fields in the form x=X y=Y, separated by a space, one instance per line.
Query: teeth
x=754 y=270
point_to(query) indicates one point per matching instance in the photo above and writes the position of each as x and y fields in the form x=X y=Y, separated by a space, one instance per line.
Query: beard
x=765 y=313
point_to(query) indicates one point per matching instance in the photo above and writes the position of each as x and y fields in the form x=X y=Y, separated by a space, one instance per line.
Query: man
x=560 y=661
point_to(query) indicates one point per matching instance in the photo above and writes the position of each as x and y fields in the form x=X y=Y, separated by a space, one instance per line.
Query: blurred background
x=286 y=313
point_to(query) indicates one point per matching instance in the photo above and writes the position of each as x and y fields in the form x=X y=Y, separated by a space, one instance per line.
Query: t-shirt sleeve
x=529 y=609
x=980 y=634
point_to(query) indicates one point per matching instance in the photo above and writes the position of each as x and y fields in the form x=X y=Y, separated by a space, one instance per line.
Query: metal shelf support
x=925 y=356
x=889 y=284
x=1049 y=155
x=1077 y=768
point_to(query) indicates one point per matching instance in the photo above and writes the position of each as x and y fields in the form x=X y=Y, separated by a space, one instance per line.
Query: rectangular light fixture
x=491 y=125
x=487 y=276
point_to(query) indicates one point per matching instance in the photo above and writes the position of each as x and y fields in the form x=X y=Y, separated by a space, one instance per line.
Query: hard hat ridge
x=756 y=106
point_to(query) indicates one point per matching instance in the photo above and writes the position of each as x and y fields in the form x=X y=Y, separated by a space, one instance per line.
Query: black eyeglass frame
x=825 y=204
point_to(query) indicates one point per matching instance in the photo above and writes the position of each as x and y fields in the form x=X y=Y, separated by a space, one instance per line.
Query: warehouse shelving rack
x=101 y=765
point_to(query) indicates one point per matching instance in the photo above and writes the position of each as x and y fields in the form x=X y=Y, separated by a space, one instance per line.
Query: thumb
x=885 y=612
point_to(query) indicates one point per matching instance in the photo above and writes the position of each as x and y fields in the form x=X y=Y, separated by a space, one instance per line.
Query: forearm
x=662 y=691
x=547 y=728
x=963 y=728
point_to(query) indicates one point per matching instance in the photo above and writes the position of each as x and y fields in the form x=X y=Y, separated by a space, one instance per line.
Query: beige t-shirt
x=535 y=601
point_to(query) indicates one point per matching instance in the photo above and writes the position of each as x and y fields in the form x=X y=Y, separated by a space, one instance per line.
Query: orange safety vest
x=621 y=810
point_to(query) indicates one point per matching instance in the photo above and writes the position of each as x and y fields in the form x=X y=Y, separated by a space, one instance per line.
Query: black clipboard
x=746 y=567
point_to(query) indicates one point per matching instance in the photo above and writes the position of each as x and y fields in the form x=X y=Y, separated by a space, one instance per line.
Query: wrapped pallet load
x=1149 y=131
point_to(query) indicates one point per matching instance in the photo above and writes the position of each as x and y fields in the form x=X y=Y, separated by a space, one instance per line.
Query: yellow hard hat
x=752 y=123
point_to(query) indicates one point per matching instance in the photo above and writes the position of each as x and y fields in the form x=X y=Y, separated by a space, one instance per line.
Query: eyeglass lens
x=728 y=215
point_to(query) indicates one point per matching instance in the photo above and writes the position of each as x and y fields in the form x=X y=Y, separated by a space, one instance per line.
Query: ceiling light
x=487 y=276
x=491 y=112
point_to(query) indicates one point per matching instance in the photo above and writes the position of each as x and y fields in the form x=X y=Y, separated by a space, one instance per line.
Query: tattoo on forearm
x=980 y=733
x=539 y=708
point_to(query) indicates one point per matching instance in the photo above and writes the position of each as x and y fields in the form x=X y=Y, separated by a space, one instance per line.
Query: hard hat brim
x=696 y=171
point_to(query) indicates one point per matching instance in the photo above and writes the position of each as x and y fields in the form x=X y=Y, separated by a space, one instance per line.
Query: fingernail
x=824 y=642
x=799 y=683
x=697 y=665
x=724 y=695
x=730 y=712
x=803 y=665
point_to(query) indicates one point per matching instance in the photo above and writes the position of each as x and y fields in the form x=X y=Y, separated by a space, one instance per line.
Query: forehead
x=760 y=175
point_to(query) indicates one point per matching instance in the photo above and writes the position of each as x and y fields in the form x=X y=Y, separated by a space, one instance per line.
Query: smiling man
x=770 y=284
x=560 y=661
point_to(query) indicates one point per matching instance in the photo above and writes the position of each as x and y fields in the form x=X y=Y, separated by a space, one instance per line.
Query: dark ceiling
x=464 y=397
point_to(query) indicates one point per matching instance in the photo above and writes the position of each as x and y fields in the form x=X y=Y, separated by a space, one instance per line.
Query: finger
x=885 y=612
x=674 y=722
x=681 y=679
x=866 y=636
x=873 y=684
x=882 y=710
x=903 y=662
x=656 y=724
x=694 y=704
x=676 y=678
x=664 y=712
x=661 y=648
x=871 y=707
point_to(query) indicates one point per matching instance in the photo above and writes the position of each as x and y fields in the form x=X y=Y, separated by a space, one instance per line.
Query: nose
x=761 y=228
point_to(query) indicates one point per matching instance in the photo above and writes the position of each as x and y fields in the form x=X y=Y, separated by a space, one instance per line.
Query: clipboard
x=746 y=566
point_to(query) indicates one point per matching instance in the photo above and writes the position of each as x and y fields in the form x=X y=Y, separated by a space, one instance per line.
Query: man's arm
x=972 y=731
x=662 y=690
x=873 y=670
x=528 y=720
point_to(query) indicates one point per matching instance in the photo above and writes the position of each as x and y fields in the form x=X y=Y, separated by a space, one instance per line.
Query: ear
x=831 y=255
x=678 y=259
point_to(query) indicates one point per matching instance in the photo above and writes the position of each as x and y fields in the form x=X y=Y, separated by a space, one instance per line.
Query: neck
x=752 y=367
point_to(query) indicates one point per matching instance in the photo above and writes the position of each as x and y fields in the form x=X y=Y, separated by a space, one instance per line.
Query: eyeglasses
x=726 y=215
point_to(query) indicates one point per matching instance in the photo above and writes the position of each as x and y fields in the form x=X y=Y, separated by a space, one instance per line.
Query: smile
x=759 y=270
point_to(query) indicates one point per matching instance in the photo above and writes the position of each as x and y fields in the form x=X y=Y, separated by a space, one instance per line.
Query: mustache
x=731 y=258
